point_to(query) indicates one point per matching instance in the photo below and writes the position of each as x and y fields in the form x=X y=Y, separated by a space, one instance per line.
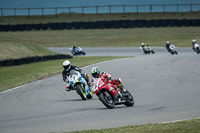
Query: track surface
x=165 y=87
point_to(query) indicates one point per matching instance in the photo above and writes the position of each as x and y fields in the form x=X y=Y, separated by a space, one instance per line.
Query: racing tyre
x=81 y=91
x=83 y=53
x=106 y=98
x=176 y=52
x=152 y=52
x=89 y=96
x=130 y=102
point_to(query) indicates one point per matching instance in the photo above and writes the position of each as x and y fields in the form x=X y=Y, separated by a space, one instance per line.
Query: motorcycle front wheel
x=106 y=98
x=130 y=101
x=89 y=96
x=81 y=91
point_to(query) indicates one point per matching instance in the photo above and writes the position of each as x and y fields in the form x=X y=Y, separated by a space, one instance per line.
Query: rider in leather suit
x=95 y=71
x=66 y=72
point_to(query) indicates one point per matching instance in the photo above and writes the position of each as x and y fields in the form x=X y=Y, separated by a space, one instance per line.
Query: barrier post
x=164 y=8
x=82 y=10
x=69 y=11
x=123 y=9
x=110 y=9
x=29 y=12
x=150 y=8
x=15 y=11
x=56 y=12
x=137 y=8
x=42 y=11
x=191 y=7
x=96 y=9
x=177 y=8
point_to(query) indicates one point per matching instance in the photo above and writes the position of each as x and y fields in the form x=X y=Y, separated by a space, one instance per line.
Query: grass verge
x=133 y=37
x=188 y=126
x=17 y=50
x=18 y=75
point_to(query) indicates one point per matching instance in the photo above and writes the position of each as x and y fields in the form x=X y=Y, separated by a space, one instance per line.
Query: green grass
x=133 y=37
x=189 y=126
x=64 y=17
x=17 y=50
x=18 y=75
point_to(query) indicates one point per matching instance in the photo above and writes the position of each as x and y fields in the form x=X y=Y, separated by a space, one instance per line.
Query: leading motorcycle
x=196 y=48
x=79 y=84
x=77 y=51
x=111 y=95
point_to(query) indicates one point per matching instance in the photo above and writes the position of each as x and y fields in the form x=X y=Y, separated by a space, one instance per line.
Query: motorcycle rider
x=74 y=48
x=95 y=71
x=193 y=43
x=167 y=46
x=67 y=67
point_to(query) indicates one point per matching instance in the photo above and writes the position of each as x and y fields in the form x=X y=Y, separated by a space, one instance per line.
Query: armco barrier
x=103 y=24
x=26 y=60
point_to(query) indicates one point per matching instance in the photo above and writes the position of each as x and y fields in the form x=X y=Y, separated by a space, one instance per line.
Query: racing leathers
x=107 y=79
x=167 y=46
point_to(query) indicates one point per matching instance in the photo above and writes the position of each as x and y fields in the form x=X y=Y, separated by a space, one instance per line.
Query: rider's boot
x=68 y=87
x=121 y=87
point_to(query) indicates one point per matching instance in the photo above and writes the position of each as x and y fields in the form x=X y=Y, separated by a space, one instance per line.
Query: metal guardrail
x=100 y=9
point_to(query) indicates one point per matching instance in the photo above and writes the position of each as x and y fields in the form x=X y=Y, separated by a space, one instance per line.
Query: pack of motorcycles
x=109 y=94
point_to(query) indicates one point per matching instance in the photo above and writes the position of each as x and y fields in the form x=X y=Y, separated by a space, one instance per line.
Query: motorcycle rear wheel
x=130 y=102
x=106 y=98
x=81 y=91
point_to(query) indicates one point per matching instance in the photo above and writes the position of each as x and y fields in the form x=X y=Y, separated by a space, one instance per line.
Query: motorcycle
x=196 y=48
x=79 y=84
x=172 y=49
x=77 y=51
x=110 y=95
x=147 y=50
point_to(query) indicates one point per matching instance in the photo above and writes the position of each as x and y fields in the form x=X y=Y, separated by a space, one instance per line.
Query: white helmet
x=66 y=65
x=142 y=44
x=194 y=41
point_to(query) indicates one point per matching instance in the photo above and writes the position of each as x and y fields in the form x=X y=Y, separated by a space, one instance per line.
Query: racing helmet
x=142 y=44
x=167 y=42
x=95 y=71
x=66 y=65
x=194 y=41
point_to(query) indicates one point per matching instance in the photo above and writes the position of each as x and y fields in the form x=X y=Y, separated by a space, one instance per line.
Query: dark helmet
x=95 y=71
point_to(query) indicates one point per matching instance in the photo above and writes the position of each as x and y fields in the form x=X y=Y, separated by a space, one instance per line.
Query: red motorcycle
x=110 y=95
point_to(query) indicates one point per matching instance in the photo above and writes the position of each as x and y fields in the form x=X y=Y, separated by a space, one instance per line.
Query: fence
x=101 y=9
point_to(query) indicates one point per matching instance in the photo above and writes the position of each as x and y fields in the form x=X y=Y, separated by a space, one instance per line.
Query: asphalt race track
x=165 y=87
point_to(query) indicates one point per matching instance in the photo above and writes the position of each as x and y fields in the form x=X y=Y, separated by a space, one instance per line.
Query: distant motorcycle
x=77 y=51
x=110 y=95
x=79 y=84
x=147 y=50
x=196 y=48
x=172 y=49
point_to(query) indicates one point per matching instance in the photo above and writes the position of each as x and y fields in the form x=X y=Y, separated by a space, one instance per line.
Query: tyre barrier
x=102 y=24
x=26 y=60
